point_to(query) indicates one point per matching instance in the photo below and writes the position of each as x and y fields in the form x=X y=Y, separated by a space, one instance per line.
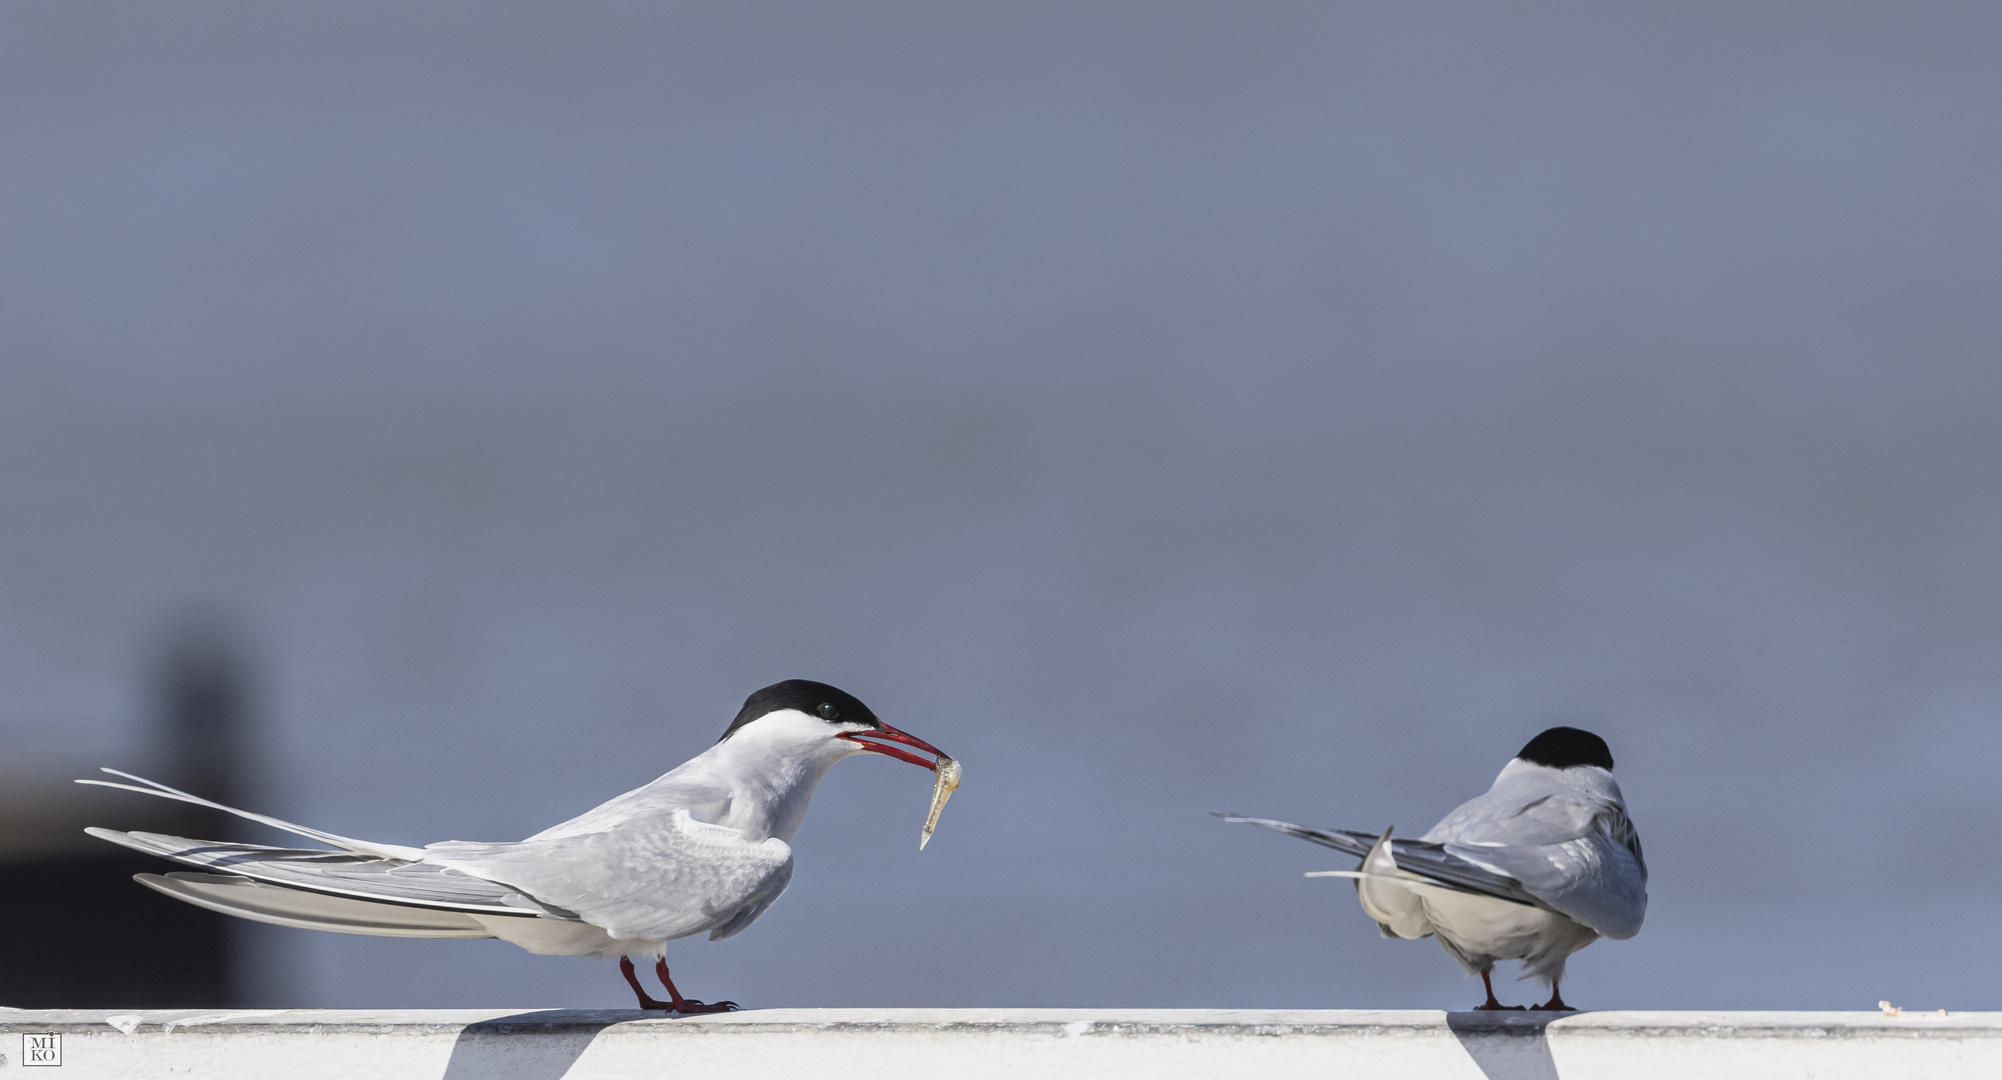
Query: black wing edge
x=1342 y=840
x=1431 y=861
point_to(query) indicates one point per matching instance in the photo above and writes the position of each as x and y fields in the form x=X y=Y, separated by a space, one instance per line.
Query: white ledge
x=976 y=1044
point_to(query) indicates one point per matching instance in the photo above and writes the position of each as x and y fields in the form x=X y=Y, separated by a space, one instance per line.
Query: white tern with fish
x=703 y=849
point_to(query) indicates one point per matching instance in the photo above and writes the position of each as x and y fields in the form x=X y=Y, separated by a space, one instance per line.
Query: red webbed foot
x=1555 y=1004
x=1491 y=1005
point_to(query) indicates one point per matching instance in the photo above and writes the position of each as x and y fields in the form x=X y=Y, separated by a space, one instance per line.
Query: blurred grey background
x=1163 y=408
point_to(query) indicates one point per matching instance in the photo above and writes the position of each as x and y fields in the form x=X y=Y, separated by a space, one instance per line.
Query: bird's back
x=1563 y=833
x=652 y=878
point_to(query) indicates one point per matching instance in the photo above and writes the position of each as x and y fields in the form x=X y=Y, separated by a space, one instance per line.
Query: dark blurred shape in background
x=75 y=930
x=205 y=690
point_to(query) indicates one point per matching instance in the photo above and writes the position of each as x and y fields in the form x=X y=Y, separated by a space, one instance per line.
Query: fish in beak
x=947 y=770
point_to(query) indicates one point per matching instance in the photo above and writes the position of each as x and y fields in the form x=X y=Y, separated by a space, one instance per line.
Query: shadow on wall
x=491 y=1050
x=75 y=930
x=1507 y=1046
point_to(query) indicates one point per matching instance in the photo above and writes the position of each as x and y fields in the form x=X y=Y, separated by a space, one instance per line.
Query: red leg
x=633 y=980
x=1555 y=1004
x=1491 y=1005
x=688 y=1005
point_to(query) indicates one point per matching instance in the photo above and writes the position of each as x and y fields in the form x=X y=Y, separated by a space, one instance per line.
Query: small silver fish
x=942 y=789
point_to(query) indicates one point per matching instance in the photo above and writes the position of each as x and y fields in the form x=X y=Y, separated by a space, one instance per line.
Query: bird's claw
x=696 y=1007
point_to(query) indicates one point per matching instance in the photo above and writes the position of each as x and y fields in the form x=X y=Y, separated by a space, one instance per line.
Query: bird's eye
x=829 y=712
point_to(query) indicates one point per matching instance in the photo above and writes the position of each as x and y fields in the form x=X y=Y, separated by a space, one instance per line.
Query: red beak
x=886 y=732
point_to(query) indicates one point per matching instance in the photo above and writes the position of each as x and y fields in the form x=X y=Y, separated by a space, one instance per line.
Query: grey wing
x=340 y=874
x=1597 y=878
x=1622 y=830
x=1567 y=840
x=773 y=887
x=653 y=879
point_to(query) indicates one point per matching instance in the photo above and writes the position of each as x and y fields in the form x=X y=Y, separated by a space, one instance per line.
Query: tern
x=1544 y=864
x=703 y=849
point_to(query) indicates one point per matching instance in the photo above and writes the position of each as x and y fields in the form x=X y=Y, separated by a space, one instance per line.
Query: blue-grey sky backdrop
x=1284 y=408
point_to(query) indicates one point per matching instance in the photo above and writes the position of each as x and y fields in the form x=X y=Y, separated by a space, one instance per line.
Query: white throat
x=771 y=766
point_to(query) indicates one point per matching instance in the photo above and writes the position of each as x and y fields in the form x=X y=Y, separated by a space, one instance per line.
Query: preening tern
x=702 y=849
x=1541 y=866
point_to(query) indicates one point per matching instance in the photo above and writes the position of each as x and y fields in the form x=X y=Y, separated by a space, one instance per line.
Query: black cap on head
x=1563 y=747
x=831 y=704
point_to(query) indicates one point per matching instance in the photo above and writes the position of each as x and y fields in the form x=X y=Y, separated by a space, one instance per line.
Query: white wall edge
x=974 y=1044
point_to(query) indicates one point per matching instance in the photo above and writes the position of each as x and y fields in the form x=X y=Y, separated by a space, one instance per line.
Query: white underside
x=553 y=937
x=1479 y=931
x=1476 y=930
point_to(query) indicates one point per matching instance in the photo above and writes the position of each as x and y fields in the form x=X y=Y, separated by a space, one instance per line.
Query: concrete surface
x=971 y=1044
